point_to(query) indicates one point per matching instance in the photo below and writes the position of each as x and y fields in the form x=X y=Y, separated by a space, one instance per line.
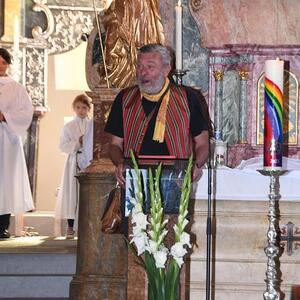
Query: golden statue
x=129 y=24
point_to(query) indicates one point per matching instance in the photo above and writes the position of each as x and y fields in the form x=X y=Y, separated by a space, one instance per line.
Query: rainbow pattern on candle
x=273 y=132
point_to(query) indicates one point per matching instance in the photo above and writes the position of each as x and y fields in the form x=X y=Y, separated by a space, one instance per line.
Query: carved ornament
x=196 y=4
x=37 y=31
x=218 y=75
x=243 y=74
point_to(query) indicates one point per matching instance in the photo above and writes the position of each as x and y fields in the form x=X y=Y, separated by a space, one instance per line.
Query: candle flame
x=179 y=3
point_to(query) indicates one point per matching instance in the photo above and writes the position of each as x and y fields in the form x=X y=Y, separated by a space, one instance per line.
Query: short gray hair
x=164 y=52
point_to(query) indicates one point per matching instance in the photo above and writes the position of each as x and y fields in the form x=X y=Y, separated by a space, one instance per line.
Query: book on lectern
x=173 y=171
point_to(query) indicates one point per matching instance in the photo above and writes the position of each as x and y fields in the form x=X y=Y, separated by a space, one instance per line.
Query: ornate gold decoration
x=218 y=75
x=243 y=74
x=129 y=24
x=196 y=4
x=290 y=109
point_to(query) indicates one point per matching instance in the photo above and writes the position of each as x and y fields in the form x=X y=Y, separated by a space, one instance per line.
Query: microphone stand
x=208 y=226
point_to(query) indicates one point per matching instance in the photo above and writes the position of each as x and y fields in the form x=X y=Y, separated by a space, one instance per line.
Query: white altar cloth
x=246 y=183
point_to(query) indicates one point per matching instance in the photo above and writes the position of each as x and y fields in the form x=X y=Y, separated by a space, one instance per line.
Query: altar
x=240 y=224
x=245 y=183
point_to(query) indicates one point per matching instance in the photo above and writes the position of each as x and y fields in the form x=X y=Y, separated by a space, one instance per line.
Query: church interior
x=63 y=48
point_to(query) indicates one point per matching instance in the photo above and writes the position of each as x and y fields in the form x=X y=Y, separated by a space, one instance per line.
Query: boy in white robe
x=15 y=117
x=71 y=142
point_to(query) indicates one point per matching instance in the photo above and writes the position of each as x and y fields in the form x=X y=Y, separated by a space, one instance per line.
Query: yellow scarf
x=160 y=123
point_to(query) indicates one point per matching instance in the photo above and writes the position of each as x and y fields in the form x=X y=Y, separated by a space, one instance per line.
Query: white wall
x=50 y=159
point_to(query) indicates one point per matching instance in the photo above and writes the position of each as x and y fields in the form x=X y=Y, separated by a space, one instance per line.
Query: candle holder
x=179 y=75
x=273 y=250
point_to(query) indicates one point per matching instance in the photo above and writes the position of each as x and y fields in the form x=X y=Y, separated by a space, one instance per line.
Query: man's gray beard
x=159 y=83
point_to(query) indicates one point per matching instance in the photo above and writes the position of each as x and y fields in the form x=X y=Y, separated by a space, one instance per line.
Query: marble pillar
x=218 y=117
x=243 y=107
x=101 y=269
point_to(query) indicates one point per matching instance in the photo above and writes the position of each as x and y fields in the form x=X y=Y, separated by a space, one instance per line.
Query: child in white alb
x=71 y=142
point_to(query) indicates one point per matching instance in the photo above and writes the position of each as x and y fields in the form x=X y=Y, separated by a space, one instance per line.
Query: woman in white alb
x=71 y=142
x=15 y=117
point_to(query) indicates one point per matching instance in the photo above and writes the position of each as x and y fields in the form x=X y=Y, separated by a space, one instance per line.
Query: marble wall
x=264 y=22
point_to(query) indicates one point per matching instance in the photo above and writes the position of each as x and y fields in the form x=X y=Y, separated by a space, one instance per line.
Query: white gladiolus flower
x=178 y=251
x=140 y=220
x=179 y=260
x=151 y=233
x=141 y=242
x=137 y=230
x=185 y=239
x=153 y=246
x=137 y=209
x=160 y=258
x=133 y=201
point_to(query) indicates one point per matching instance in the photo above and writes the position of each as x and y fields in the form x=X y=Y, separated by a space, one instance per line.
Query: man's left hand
x=197 y=173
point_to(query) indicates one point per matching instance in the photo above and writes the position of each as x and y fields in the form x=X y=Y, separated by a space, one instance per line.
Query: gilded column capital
x=243 y=74
x=218 y=75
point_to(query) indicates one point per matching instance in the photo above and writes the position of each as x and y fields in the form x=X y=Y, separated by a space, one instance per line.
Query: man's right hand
x=119 y=174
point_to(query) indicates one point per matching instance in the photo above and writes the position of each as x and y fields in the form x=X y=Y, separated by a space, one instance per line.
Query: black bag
x=112 y=216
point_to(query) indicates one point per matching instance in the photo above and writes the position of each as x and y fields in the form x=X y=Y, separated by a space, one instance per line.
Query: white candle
x=16 y=34
x=178 y=35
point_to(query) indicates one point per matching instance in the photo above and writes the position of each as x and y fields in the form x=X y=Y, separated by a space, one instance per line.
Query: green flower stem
x=139 y=178
x=184 y=199
x=162 y=282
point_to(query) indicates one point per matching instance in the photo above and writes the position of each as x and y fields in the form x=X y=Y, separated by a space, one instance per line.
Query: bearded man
x=157 y=117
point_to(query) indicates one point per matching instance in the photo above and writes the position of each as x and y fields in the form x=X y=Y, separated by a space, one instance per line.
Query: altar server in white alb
x=15 y=117
x=71 y=142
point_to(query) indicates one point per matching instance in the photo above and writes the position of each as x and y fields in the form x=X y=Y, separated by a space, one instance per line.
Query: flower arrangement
x=161 y=264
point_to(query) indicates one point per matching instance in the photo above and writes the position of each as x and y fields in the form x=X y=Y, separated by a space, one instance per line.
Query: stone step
x=42 y=222
x=36 y=267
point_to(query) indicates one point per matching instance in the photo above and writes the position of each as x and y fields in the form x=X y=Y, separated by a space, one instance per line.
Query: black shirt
x=114 y=123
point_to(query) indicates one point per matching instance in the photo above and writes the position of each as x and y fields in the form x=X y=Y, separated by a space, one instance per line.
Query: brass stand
x=273 y=249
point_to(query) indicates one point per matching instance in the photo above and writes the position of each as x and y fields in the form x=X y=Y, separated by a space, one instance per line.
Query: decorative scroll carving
x=65 y=26
x=35 y=75
x=37 y=31
x=69 y=27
